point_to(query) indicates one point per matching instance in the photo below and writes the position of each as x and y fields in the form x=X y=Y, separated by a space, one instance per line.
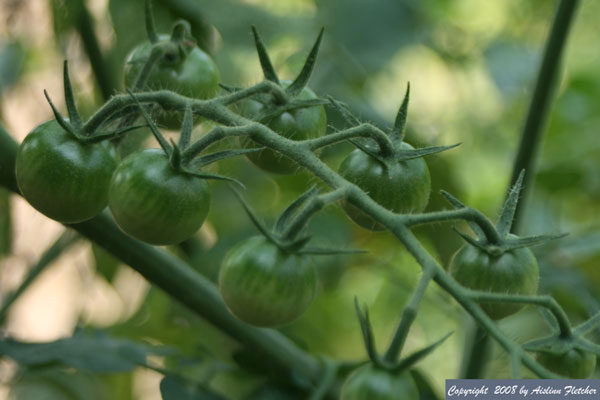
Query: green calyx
x=299 y=83
x=500 y=240
x=381 y=362
x=396 y=152
x=73 y=124
x=287 y=234
x=180 y=43
x=174 y=151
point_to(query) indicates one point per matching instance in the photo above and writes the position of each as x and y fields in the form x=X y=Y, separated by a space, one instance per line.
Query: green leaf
x=343 y=109
x=221 y=155
x=293 y=207
x=397 y=132
x=418 y=355
x=263 y=56
x=98 y=352
x=457 y=204
x=173 y=389
x=70 y=99
x=510 y=206
x=403 y=155
x=302 y=80
x=367 y=331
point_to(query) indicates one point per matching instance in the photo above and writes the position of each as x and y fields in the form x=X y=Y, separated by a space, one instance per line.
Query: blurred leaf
x=273 y=391
x=174 y=389
x=57 y=384
x=106 y=265
x=97 y=352
x=12 y=57
x=5 y=223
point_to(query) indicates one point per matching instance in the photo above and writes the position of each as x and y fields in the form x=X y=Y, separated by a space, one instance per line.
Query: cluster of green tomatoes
x=155 y=198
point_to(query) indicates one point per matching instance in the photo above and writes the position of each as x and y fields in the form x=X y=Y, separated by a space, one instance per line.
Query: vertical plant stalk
x=539 y=108
x=100 y=65
x=531 y=136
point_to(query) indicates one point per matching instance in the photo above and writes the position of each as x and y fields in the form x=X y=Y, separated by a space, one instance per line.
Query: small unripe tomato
x=62 y=178
x=372 y=383
x=193 y=75
x=404 y=188
x=298 y=124
x=264 y=285
x=574 y=363
x=511 y=272
x=153 y=202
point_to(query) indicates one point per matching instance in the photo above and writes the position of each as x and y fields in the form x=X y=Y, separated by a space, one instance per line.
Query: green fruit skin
x=405 y=189
x=265 y=286
x=513 y=272
x=62 y=178
x=299 y=124
x=372 y=383
x=574 y=364
x=154 y=203
x=196 y=76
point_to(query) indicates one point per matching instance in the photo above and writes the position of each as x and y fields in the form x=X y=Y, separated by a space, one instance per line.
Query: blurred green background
x=471 y=65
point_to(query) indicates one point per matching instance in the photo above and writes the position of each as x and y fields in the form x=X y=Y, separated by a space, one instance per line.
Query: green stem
x=263 y=87
x=539 y=108
x=101 y=67
x=409 y=313
x=314 y=205
x=65 y=240
x=365 y=130
x=542 y=301
x=478 y=341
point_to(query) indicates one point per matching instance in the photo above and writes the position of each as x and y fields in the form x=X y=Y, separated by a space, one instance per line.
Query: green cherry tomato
x=512 y=272
x=264 y=285
x=193 y=75
x=574 y=363
x=299 y=124
x=404 y=188
x=64 y=179
x=372 y=383
x=153 y=202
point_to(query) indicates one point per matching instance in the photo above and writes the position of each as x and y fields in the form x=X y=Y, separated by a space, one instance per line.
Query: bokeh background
x=471 y=65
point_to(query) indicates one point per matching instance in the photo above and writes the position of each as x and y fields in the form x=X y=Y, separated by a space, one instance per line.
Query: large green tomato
x=153 y=202
x=512 y=272
x=372 y=383
x=404 y=188
x=299 y=124
x=264 y=285
x=574 y=363
x=64 y=179
x=193 y=75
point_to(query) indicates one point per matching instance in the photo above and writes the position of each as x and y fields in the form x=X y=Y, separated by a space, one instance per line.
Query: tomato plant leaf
x=186 y=128
x=404 y=155
x=343 y=109
x=367 y=331
x=397 y=133
x=588 y=325
x=221 y=155
x=457 y=204
x=263 y=57
x=149 y=20
x=510 y=206
x=74 y=117
x=174 y=389
x=293 y=207
x=418 y=355
x=97 y=353
x=302 y=80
